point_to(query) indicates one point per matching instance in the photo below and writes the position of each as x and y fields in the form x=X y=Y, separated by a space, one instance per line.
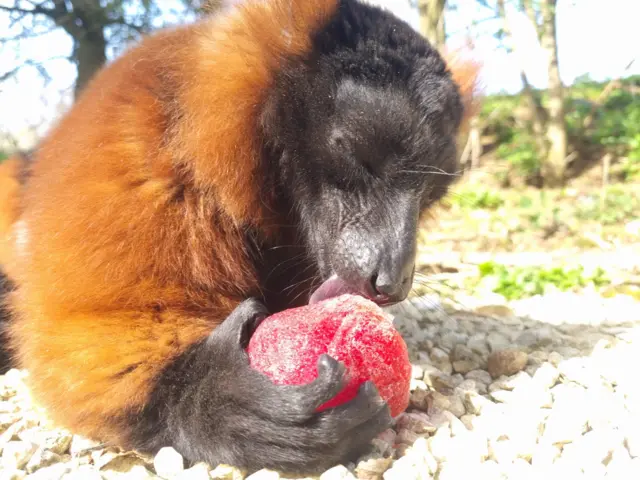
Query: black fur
x=364 y=133
x=5 y=356
x=215 y=407
x=360 y=137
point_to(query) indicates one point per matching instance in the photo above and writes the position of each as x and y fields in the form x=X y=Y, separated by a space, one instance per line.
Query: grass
x=521 y=282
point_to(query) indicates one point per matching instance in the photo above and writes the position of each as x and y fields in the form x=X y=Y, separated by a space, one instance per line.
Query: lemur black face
x=364 y=132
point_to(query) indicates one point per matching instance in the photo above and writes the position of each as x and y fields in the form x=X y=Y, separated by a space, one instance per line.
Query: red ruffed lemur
x=272 y=154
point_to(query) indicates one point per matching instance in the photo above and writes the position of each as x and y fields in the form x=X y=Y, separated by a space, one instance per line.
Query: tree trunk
x=537 y=113
x=86 y=22
x=90 y=57
x=432 y=21
x=555 y=164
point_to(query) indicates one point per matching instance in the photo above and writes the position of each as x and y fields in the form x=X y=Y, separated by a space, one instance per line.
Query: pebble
x=544 y=454
x=168 y=463
x=417 y=422
x=12 y=474
x=506 y=362
x=546 y=376
x=372 y=468
x=16 y=454
x=441 y=361
x=560 y=404
x=452 y=403
x=494 y=310
x=339 y=472
x=497 y=341
x=53 y=472
x=199 y=471
x=226 y=472
x=478 y=344
x=440 y=381
x=417 y=372
x=555 y=358
x=450 y=339
x=114 y=465
x=264 y=474
x=632 y=440
x=83 y=472
x=80 y=444
x=564 y=424
x=41 y=458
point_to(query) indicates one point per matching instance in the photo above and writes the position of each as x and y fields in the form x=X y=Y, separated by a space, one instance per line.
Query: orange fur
x=110 y=265
x=465 y=71
x=118 y=268
x=10 y=171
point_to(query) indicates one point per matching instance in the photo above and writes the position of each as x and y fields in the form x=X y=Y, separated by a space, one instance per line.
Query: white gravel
x=542 y=388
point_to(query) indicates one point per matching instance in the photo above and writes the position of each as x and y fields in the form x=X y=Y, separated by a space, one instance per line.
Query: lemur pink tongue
x=332 y=287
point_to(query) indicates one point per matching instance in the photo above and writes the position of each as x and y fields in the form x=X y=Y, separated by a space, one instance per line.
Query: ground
x=524 y=333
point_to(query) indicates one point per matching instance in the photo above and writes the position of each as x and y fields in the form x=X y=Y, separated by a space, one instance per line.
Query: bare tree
x=432 y=21
x=548 y=124
x=93 y=26
x=555 y=165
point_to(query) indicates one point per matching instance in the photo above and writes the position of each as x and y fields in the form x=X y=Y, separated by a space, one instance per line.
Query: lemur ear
x=465 y=70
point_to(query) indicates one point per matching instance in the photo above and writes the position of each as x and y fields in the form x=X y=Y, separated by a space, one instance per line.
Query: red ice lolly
x=349 y=328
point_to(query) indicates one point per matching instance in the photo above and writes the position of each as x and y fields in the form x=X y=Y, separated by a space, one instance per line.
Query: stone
x=372 y=468
x=199 y=471
x=632 y=441
x=417 y=385
x=226 y=472
x=339 y=472
x=502 y=396
x=555 y=358
x=440 y=360
x=264 y=474
x=417 y=422
x=452 y=403
x=421 y=399
x=83 y=472
x=546 y=376
x=580 y=371
x=417 y=372
x=506 y=362
x=465 y=366
x=81 y=445
x=463 y=359
x=620 y=464
x=502 y=451
x=537 y=358
x=16 y=454
x=13 y=474
x=478 y=344
x=564 y=425
x=467 y=421
x=407 y=468
x=518 y=469
x=544 y=454
x=52 y=472
x=41 y=458
x=497 y=341
x=114 y=466
x=406 y=436
x=440 y=444
x=168 y=463
x=439 y=381
x=489 y=470
x=450 y=339
x=453 y=470
x=474 y=403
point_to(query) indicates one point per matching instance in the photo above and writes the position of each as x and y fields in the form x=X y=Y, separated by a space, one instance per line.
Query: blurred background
x=548 y=193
